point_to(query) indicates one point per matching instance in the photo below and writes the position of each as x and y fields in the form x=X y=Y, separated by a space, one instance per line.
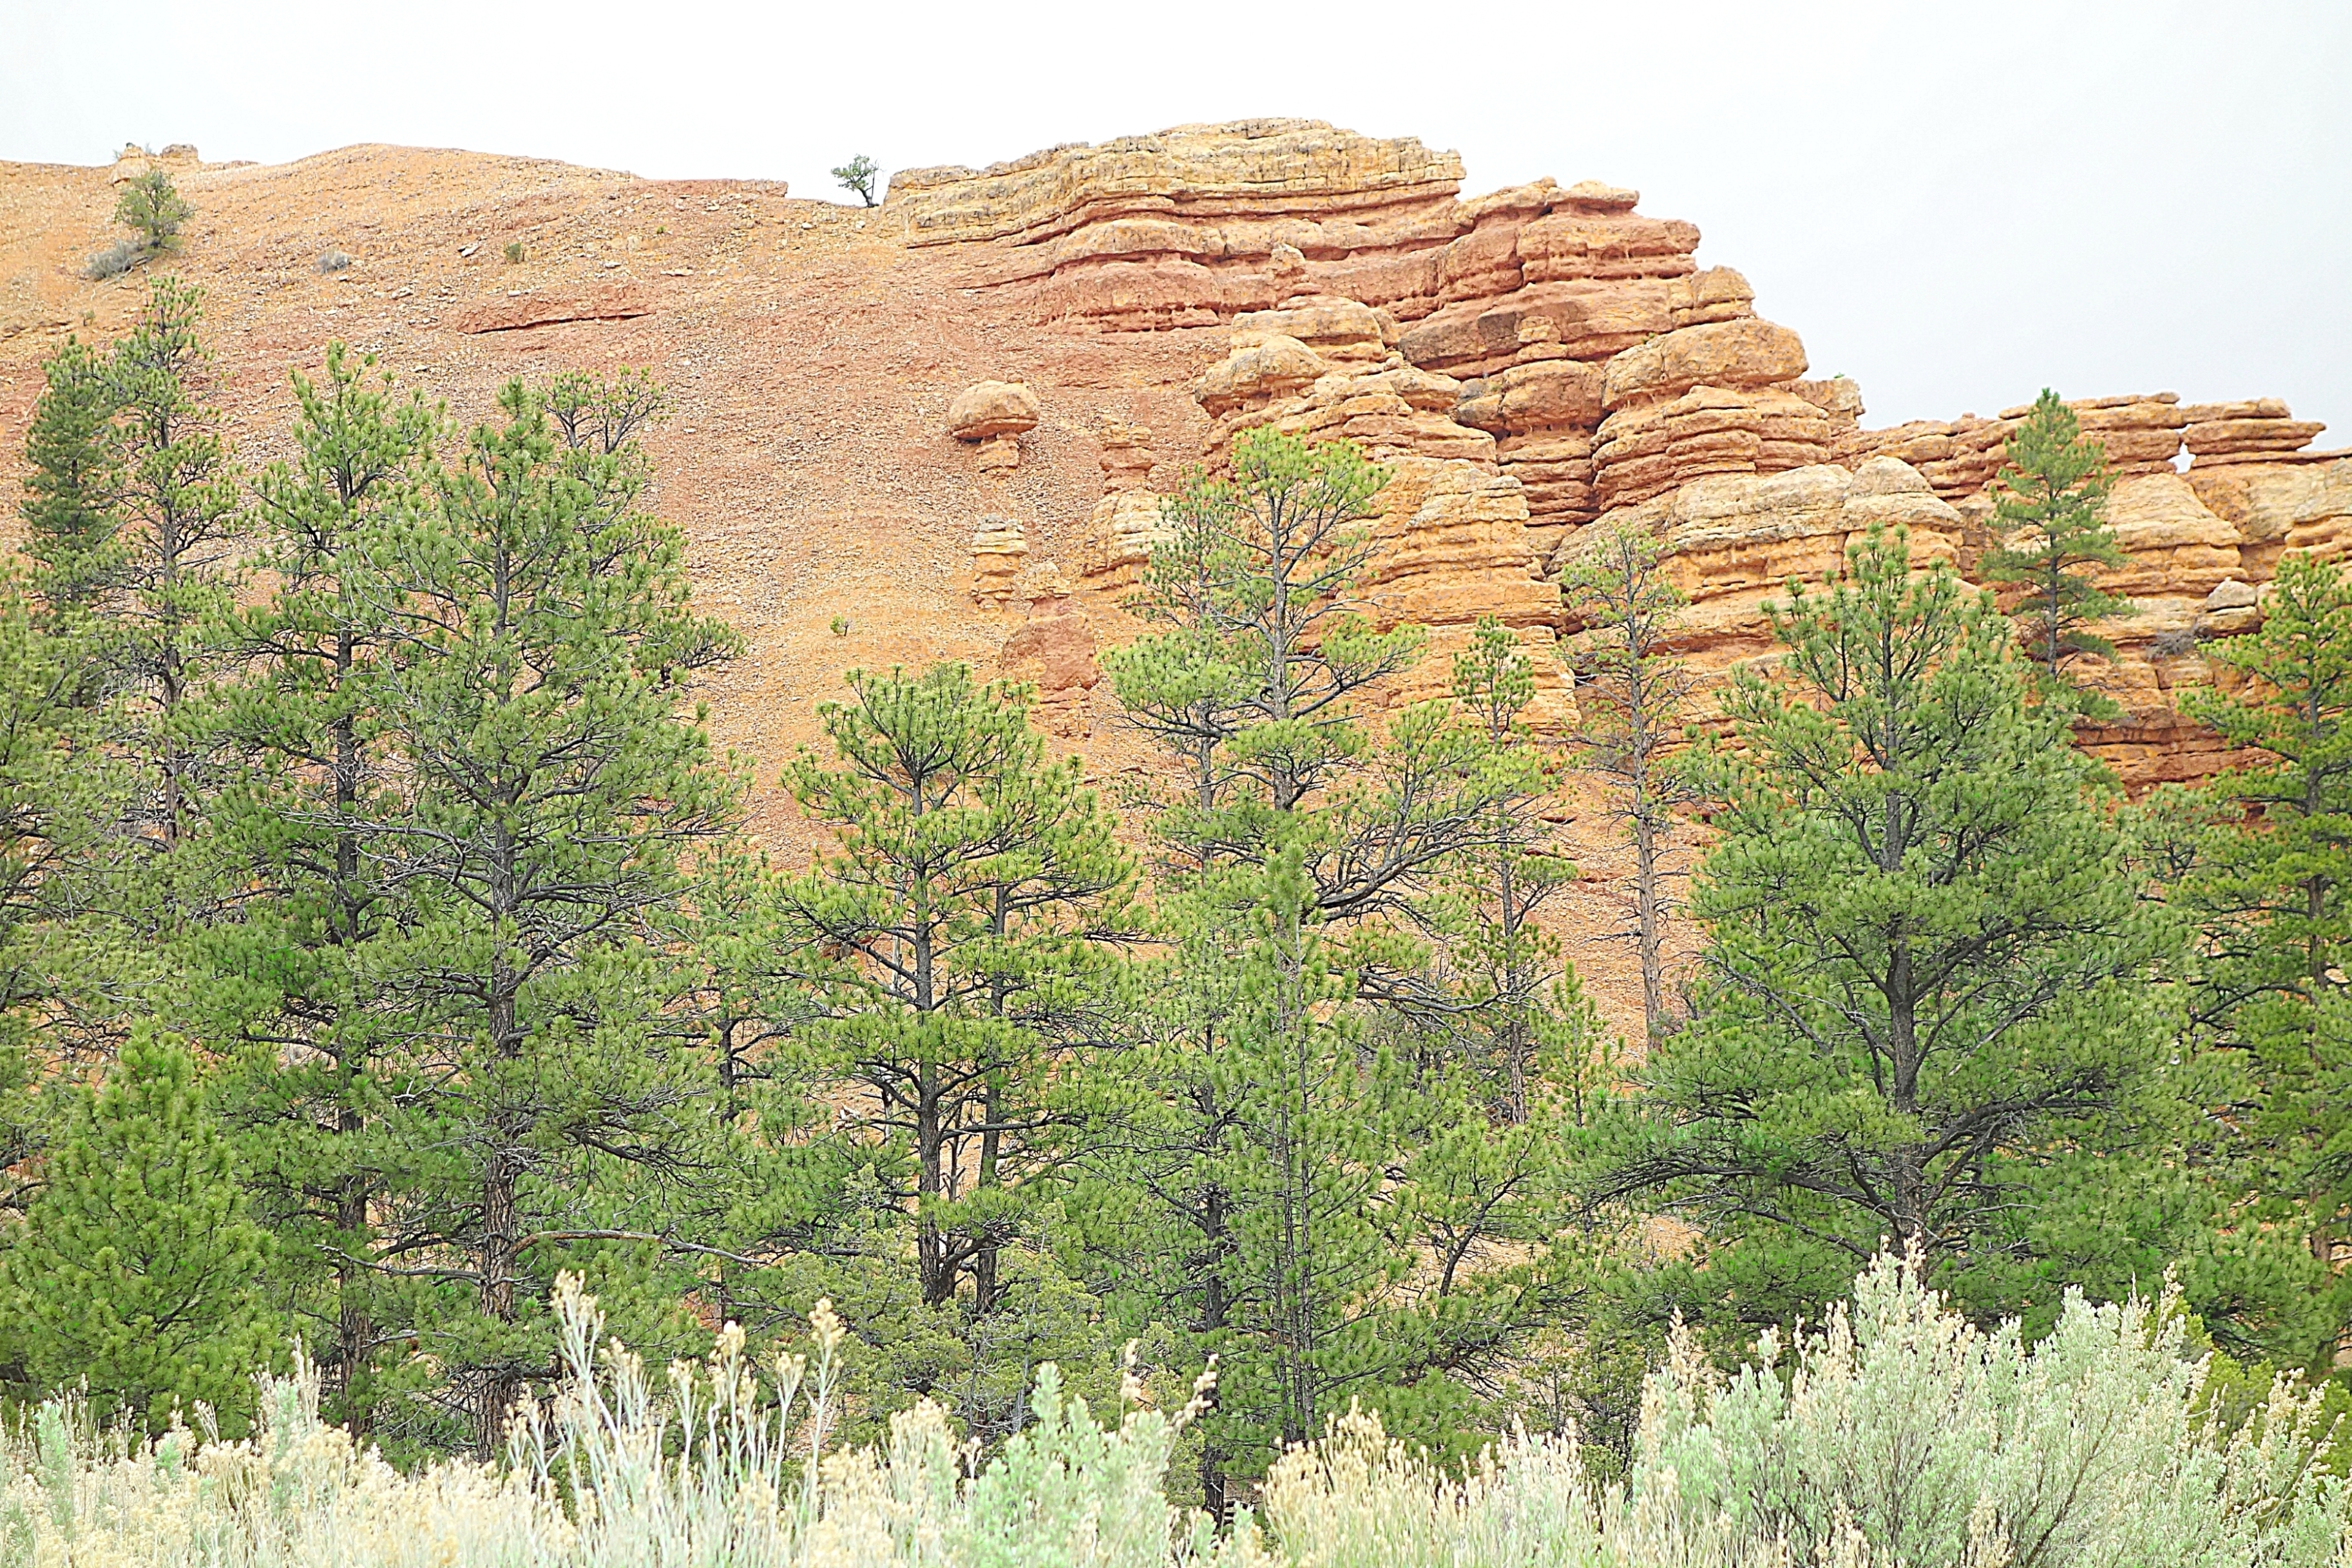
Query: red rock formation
x=1525 y=361
x=1053 y=652
x=999 y=551
x=2258 y=431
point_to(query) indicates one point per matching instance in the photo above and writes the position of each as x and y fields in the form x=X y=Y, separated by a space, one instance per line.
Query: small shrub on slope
x=150 y=205
x=113 y=261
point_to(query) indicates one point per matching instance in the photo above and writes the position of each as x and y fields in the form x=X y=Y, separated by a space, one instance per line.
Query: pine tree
x=73 y=481
x=962 y=909
x=543 y=636
x=1634 y=694
x=786 y=1207
x=2050 y=504
x=132 y=516
x=1515 y=999
x=136 y=1267
x=1284 y=1083
x=55 y=792
x=151 y=205
x=2272 y=889
x=858 y=176
x=1928 y=1014
x=314 y=783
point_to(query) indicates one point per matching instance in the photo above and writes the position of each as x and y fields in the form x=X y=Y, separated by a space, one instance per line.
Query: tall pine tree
x=302 y=819
x=56 y=792
x=133 y=519
x=1929 y=1014
x=2270 y=889
x=1633 y=695
x=552 y=790
x=959 y=928
x=1284 y=1087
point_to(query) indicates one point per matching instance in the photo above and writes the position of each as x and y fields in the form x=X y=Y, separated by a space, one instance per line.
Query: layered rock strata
x=1734 y=541
x=999 y=551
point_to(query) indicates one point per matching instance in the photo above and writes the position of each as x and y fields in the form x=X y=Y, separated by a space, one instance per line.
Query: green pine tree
x=1298 y=1093
x=132 y=517
x=55 y=790
x=137 y=1266
x=552 y=794
x=960 y=921
x=153 y=206
x=2271 y=888
x=2050 y=506
x=859 y=176
x=1516 y=1002
x=295 y=973
x=1929 y=1015
x=73 y=481
x=788 y=1207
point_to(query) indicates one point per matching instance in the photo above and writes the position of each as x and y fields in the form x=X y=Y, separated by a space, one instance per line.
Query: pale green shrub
x=1942 y=1444
x=721 y=1467
x=113 y=261
x=1899 y=1435
x=1902 y=1435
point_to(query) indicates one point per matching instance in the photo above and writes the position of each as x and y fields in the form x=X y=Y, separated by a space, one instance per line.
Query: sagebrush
x=1898 y=1434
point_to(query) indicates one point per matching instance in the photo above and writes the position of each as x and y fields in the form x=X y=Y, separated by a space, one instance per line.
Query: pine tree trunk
x=501 y=1240
x=986 y=1292
x=352 y=1328
x=935 y=1266
x=1647 y=934
x=498 y=1258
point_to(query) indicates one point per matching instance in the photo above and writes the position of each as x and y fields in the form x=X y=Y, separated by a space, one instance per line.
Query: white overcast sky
x=1956 y=203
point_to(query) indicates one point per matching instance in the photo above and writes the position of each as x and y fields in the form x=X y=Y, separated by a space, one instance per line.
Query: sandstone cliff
x=941 y=428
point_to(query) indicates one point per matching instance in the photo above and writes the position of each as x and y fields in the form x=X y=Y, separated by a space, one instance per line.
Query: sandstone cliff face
x=1530 y=363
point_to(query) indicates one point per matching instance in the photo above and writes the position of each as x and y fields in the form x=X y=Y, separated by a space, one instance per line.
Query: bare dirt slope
x=811 y=360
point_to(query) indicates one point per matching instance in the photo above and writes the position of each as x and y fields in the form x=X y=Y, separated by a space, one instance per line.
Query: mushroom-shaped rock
x=992 y=409
x=1269 y=367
